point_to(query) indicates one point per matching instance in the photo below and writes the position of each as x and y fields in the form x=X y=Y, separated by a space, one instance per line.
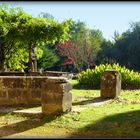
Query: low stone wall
x=50 y=92
x=17 y=90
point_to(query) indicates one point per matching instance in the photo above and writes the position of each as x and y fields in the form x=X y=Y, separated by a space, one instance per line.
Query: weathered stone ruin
x=52 y=93
x=110 y=84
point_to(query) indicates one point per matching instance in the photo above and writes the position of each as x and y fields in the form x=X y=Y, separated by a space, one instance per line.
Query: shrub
x=91 y=77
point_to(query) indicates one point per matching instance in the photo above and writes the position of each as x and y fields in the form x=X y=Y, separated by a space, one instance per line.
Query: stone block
x=56 y=104
x=17 y=96
x=56 y=98
x=3 y=93
x=35 y=93
x=33 y=82
x=1 y=84
x=55 y=87
x=19 y=83
x=8 y=82
x=110 y=84
x=67 y=102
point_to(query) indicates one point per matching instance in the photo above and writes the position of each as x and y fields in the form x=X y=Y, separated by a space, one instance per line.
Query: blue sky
x=106 y=16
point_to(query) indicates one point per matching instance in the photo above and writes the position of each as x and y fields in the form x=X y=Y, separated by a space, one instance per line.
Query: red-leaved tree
x=77 y=53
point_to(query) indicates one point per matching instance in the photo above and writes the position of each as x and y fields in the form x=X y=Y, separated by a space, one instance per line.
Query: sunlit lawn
x=118 y=117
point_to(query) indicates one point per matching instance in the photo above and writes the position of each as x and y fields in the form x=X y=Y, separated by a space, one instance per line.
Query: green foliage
x=92 y=77
x=17 y=60
x=11 y=56
x=40 y=52
x=49 y=57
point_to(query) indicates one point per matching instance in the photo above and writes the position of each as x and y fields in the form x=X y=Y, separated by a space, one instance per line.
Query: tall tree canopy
x=125 y=49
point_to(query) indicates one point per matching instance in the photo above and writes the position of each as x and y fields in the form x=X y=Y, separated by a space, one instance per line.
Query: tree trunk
x=2 y=59
x=2 y=65
x=32 y=58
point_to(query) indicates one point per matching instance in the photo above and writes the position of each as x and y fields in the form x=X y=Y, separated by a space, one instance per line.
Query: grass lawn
x=116 y=118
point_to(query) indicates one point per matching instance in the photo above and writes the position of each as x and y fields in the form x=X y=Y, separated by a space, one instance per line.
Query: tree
x=42 y=30
x=19 y=27
x=131 y=43
x=124 y=49
x=82 y=49
x=104 y=55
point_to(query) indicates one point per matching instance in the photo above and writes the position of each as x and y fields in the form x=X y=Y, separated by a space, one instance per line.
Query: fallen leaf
x=137 y=127
x=116 y=124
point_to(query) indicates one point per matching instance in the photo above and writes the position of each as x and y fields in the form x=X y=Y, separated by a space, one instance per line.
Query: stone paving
x=38 y=110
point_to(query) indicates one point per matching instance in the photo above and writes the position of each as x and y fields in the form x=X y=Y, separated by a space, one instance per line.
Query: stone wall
x=50 y=92
x=17 y=90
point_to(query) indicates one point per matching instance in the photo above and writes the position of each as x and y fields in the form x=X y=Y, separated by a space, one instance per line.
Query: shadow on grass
x=122 y=125
x=95 y=100
x=30 y=123
x=10 y=109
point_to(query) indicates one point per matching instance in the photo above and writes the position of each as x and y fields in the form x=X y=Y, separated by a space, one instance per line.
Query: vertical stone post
x=56 y=97
x=110 y=84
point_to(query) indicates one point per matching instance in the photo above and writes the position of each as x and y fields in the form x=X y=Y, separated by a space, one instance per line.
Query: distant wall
x=46 y=73
x=59 y=74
